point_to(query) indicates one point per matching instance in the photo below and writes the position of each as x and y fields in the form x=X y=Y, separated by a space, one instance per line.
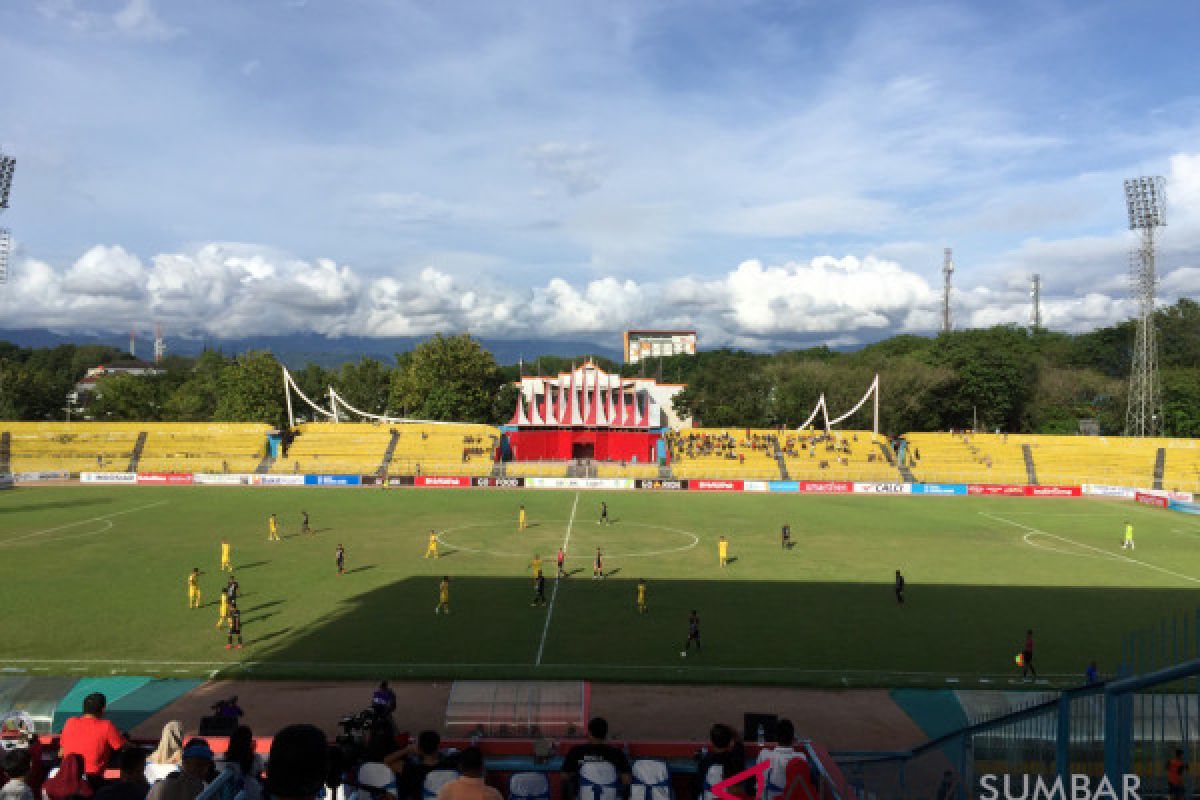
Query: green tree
x=365 y=385
x=132 y=398
x=445 y=378
x=194 y=399
x=251 y=390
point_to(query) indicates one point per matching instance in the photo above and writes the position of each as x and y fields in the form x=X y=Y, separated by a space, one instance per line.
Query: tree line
x=1004 y=377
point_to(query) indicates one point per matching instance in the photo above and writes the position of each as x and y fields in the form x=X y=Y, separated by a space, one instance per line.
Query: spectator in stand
x=132 y=784
x=597 y=748
x=946 y=789
x=1175 y=769
x=91 y=736
x=779 y=756
x=298 y=764
x=725 y=751
x=170 y=745
x=414 y=762
x=187 y=782
x=384 y=699
x=1091 y=675
x=469 y=785
x=69 y=782
x=16 y=766
x=242 y=767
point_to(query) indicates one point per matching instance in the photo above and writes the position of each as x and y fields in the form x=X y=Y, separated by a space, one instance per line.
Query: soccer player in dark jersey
x=539 y=590
x=562 y=558
x=785 y=536
x=1027 y=656
x=899 y=588
x=231 y=590
x=235 y=629
x=598 y=565
x=603 y=514
x=693 y=633
x=304 y=528
x=340 y=557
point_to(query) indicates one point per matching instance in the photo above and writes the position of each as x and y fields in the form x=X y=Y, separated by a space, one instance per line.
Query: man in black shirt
x=725 y=751
x=596 y=749
x=539 y=590
x=132 y=785
x=416 y=761
x=899 y=588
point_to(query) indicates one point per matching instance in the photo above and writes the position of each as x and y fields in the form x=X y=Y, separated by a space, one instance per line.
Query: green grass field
x=94 y=582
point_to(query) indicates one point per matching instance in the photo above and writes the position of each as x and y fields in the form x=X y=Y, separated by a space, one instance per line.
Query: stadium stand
x=1182 y=471
x=839 y=455
x=71 y=446
x=335 y=447
x=724 y=453
x=200 y=447
x=451 y=449
x=967 y=458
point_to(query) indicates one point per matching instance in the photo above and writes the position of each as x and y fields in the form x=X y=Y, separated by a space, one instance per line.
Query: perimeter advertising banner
x=826 y=487
x=442 y=481
x=1053 y=491
x=34 y=477
x=500 y=483
x=662 y=484
x=716 y=486
x=756 y=486
x=1147 y=499
x=164 y=479
x=1103 y=490
x=1183 y=506
x=108 y=477
x=940 y=488
x=995 y=490
x=221 y=479
x=331 y=480
x=277 y=480
x=883 y=488
x=579 y=483
x=783 y=486
x=6 y=481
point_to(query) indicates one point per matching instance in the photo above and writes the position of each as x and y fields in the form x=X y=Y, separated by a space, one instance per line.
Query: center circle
x=680 y=540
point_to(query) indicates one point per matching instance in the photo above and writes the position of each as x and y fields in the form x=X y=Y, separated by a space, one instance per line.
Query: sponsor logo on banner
x=221 y=479
x=579 y=483
x=1101 y=490
x=1148 y=499
x=6 y=481
x=940 y=488
x=34 y=477
x=165 y=478
x=370 y=480
x=993 y=489
x=1053 y=491
x=1184 y=506
x=882 y=488
x=441 y=480
x=715 y=486
x=402 y=480
x=277 y=480
x=826 y=487
x=108 y=477
x=756 y=486
x=783 y=486
x=500 y=483
x=658 y=483
x=331 y=480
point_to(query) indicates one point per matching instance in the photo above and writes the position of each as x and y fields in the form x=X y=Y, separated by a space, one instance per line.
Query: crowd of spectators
x=302 y=763
x=693 y=444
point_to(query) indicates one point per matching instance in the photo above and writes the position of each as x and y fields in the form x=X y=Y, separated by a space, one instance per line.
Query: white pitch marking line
x=1117 y=556
x=1075 y=554
x=81 y=522
x=554 y=593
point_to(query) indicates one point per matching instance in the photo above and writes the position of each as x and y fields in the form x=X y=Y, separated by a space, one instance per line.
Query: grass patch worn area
x=95 y=583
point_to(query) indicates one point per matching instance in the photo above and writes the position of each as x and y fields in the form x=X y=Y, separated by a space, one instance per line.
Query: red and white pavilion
x=589 y=413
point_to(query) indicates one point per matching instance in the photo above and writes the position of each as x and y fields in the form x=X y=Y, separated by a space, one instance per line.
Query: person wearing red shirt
x=91 y=736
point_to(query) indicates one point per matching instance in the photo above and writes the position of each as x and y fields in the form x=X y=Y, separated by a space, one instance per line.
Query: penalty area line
x=554 y=594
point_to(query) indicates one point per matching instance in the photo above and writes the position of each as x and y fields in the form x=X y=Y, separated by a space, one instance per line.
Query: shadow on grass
x=79 y=502
x=795 y=633
x=357 y=570
x=251 y=565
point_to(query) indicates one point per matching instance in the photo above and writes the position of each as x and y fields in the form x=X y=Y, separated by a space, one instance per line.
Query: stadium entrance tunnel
x=770 y=632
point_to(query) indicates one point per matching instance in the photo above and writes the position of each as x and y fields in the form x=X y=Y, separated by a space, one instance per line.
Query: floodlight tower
x=7 y=164
x=947 y=279
x=1035 y=295
x=1146 y=202
x=160 y=344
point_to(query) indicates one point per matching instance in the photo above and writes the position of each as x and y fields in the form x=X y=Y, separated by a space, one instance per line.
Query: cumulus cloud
x=228 y=290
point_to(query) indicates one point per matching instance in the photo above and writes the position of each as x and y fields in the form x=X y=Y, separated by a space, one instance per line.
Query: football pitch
x=94 y=581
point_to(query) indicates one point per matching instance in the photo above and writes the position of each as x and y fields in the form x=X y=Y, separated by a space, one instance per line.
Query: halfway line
x=554 y=593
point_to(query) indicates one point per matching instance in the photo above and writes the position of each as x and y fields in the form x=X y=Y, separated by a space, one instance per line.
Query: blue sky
x=772 y=173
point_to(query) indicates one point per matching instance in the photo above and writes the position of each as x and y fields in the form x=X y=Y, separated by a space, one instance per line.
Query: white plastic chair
x=528 y=786
x=651 y=780
x=597 y=781
x=434 y=782
x=715 y=774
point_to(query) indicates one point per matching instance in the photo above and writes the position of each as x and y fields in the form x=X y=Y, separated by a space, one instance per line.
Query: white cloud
x=574 y=165
x=135 y=19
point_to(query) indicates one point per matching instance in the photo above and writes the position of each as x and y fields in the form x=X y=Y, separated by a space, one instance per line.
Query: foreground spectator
x=779 y=757
x=187 y=782
x=242 y=768
x=91 y=736
x=69 y=782
x=298 y=763
x=170 y=745
x=16 y=766
x=414 y=762
x=470 y=785
x=725 y=752
x=132 y=784
x=595 y=750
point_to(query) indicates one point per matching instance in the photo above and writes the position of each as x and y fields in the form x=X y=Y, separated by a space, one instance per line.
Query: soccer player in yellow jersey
x=273 y=529
x=723 y=551
x=443 y=596
x=641 y=596
x=1128 y=543
x=194 y=588
x=431 y=550
x=224 y=617
x=226 y=563
x=521 y=520
x=536 y=565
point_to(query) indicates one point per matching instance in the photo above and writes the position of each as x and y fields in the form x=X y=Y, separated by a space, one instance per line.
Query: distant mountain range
x=296 y=350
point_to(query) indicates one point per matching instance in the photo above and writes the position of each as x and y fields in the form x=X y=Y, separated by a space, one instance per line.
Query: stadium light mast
x=160 y=344
x=1035 y=295
x=947 y=278
x=1145 y=201
x=7 y=165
